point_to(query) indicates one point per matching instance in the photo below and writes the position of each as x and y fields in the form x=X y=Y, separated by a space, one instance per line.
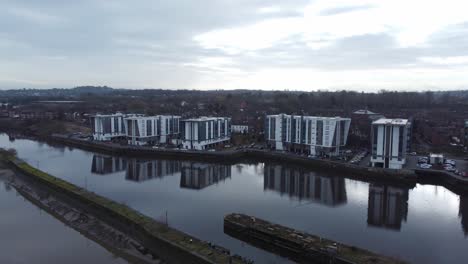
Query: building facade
x=144 y=130
x=240 y=129
x=205 y=132
x=307 y=134
x=390 y=142
x=108 y=127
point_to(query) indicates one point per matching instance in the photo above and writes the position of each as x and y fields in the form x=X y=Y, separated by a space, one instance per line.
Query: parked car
x=425 y=166
x=451 y=162
x=449 y=168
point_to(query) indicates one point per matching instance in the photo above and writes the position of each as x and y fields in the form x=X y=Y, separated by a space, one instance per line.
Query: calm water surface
x=29 y=235
x=424 y=224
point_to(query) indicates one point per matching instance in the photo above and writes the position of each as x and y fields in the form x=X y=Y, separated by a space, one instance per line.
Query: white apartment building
x=170 y=129
x=205 y=132
x=313 y=135
x=108 y=127
x=389 y=139
x=143 y=130
x=241 y=129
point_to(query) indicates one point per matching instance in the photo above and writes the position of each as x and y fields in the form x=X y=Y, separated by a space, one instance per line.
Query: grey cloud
x=88 y=35
x=117 y=42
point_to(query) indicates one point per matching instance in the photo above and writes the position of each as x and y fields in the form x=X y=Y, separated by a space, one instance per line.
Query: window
x=106 y=124
x=116 y=125
x=319 y=132
x=272 y=128
x=149 y=130
x=130 y=127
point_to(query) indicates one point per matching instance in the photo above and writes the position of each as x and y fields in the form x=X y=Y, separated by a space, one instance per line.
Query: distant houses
x=240 y=129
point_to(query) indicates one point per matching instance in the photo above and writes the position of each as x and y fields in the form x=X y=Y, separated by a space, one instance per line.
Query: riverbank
x=404 y=177
x=247 y=155
x=298 y=246
x=86 y=224
x=158 y=239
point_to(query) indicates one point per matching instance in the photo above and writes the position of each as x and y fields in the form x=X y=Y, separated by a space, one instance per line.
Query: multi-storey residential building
x=201 y=175
x=390 y=139
x=108 y=127
x=307 y=134
x=330 y=191
x=170 y=129
x=142 y=130
x=205 y=132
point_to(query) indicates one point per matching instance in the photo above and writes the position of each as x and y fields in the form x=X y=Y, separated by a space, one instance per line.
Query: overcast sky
x=235 y=44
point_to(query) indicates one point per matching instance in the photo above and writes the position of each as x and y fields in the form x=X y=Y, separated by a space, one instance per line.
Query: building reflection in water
x=107 y=164
x=136 y=169
x=330 y=191
x=143 y=170
x=197 y=176
x=388 y=206
x=463 y=212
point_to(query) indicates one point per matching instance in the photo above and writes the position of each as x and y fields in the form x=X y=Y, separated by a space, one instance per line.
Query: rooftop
x=389 y=121
x=137 y=117
x=317 y=117
x=204 y=118
x=364 y=112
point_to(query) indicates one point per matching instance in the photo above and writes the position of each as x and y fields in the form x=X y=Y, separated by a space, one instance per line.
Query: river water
x=423 y=224
x=29 y=235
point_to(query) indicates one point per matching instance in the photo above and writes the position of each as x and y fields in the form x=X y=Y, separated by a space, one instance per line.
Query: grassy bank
x=190 y=249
